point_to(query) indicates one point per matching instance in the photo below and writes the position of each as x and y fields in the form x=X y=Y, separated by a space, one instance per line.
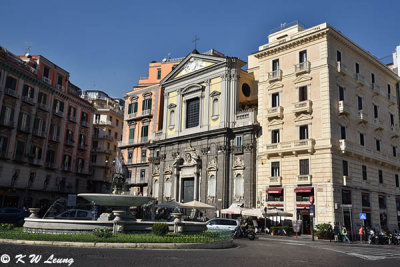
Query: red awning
x=274 y=190
x=303 y=189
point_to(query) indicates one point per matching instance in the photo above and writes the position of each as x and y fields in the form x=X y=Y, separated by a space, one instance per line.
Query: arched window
x=239 y=186
x=155 y=188
x=167 y=188
x=212 y=186
x=172 y=118
x=215 y=107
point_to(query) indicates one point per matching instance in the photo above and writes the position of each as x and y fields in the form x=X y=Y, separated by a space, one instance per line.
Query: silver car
x=223 y=224
x=75 y=214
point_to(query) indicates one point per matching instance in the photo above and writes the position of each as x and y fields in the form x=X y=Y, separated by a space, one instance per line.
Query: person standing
x=336 y=232
x=361 y=233
x=330 y=233
x=344 y=233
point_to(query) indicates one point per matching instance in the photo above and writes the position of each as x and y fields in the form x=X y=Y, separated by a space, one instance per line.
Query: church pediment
x=301 y=79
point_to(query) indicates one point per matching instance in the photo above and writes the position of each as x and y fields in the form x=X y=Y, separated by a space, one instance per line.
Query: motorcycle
x=242 y=232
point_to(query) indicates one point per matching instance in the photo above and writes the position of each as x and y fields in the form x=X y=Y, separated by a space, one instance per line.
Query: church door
x=187 y=189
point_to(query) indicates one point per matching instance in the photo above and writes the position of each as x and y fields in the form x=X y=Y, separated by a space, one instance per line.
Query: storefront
x=304 y=198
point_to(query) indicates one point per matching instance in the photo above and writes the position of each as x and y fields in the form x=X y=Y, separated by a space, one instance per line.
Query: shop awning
x=303 y=189
x=274 y=190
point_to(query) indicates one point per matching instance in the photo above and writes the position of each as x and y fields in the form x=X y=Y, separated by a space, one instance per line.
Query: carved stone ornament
x=168 y=170
x=212 y=166
x=238 y=164
x=156 y=171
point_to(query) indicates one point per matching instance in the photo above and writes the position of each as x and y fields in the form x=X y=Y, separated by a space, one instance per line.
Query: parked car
x=75 y=214
x=13 y=215
x=223 y=224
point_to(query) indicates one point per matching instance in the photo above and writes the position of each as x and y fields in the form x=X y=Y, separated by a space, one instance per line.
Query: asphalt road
x=264 y=251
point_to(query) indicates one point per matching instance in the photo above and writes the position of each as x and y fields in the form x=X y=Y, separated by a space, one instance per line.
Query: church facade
x=206 y=150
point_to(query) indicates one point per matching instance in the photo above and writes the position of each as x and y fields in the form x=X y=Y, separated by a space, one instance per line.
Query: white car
x=223 y=224
x=75 y=214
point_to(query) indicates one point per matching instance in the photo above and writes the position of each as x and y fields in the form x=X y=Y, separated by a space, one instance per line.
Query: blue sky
x=107 y=45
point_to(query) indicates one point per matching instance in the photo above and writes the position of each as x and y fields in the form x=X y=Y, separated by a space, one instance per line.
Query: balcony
x=341 y=68
x=131 y=116
x=275 y=180
x=43 y=107
x=24 y=128
x=392 y=99
x=375 y=88
x=302 y=68
x=362 y=116
x=292 y=147
x=359 y=78
x=72 y=118
x=274 y=76
x=46 y=80
x=237 y=149
x=60 y=87
x=58 y=113
x=378 y=124
x=144 y=139
x=85 y=124
x=28 y=100
x=69 y=142
x=101 y=150
x=303 y=106
x=38 y=132
x=245 y=117
x=54 y=138
x=103 y=136
x=343 y=108
x=304 y=179
x=36 y=162
x=275 y=112
x=10 y=92
x=7 y=123
x=103 y=123
x=146 y=112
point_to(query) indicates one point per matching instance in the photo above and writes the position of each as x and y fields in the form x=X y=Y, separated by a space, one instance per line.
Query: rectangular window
x=11 y=83
x=357 y=68
x=388 y=91
x=380 y=174
x=361 y=139
x=275 y=64
x=116 y=122
x=145 y=131
x=59 y=80
x=338 y=56
x=378 y=144
x=391 y=119
x=303 y=96
x=275 y=136
x=382 y=202
x=132 y=134
x=146 y=104
x=303 y=132
x=275 y=169
x=345 y=168
x=28 y=91
x=342 y=132
x=192 y=112
x=46 y=72
x=396 y=178
x=341 y=93
x=238 y=141
x=364 y=172
x=360 y=102
x=142 y=175
x=365 y=200
x=129 y=108
x=376 y=114
x=275 y=100
x=303 y=56
x=42 y=98
x=158 y=74
x=304 y=167
x=372 y=78
x=346 y=197
x=394 y=151
x=143 y=155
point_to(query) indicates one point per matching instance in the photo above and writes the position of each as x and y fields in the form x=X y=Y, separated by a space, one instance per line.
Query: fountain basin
x=112 y=200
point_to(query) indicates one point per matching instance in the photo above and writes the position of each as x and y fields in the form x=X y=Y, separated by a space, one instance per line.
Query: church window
x=239 y=186
x=192 y=112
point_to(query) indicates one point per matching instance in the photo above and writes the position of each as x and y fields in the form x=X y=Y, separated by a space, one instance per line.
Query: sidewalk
x=306 y=238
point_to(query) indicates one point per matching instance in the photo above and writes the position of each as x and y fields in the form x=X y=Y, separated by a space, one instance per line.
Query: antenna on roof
x=28 y=48
x=167 y=58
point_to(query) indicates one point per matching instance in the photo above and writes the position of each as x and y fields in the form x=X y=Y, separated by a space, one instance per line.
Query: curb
x=214 y=245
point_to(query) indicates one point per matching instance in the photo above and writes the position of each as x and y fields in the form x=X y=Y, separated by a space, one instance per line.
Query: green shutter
x=149 y=107
x=143 y=104
x=131 y=133
x=130 y=108
x=146 y=130
x=135 y=107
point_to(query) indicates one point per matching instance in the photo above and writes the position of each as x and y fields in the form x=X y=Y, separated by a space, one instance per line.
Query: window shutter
x=130 y=108
x=135 y=105
x=143 y=104
x=131 y=133
x=149 y=104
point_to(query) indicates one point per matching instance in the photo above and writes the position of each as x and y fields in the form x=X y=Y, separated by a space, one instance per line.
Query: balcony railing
x=7 y=123
x=341 y=68
x=362 y=116
x=46 y=80
x=101 y=150
x=275 y=75
x=146 y=112
x=275 y=112
x=109 y=123
x=301 y=68
x=132 y=115
x=10 y=92
x=58 y=113
x=246 y=117
x=43 y=107
x=28 y=99
x=303 y=106
x=293 y=147
x=359 y=78
x=82 y=146
x=60 y=87
x=376 y=89
x=103 y=136
x=84 y=124
x=343 y=108
x=144 y=139
x=131 y=141
x=304 y=179
x=275 y=180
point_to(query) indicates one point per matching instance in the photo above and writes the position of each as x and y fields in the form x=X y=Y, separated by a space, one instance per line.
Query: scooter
x=240 y=232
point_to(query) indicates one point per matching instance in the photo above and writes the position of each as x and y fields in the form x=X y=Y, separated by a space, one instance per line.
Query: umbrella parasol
x=253 y=212
x=196 y=205
x=276 y=212
x=169 y=205
x=233 y=209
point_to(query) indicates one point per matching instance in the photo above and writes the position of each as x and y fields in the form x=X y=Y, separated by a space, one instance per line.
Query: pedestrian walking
x=344 y=233
x=336 y=232
x=361 y=233
x=330 y=233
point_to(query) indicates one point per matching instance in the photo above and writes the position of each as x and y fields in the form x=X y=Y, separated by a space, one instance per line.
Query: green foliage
x=102 y=233
x=323 y=230
x=6 y=226
x=160 y=229
x=205 y=237
x=275 y=229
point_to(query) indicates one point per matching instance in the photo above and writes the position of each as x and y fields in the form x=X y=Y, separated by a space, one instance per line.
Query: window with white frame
x=275 y=169
x=275 y=136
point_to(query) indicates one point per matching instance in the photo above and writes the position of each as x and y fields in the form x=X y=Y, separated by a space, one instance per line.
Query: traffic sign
x=363 y=216
x=312 y=209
